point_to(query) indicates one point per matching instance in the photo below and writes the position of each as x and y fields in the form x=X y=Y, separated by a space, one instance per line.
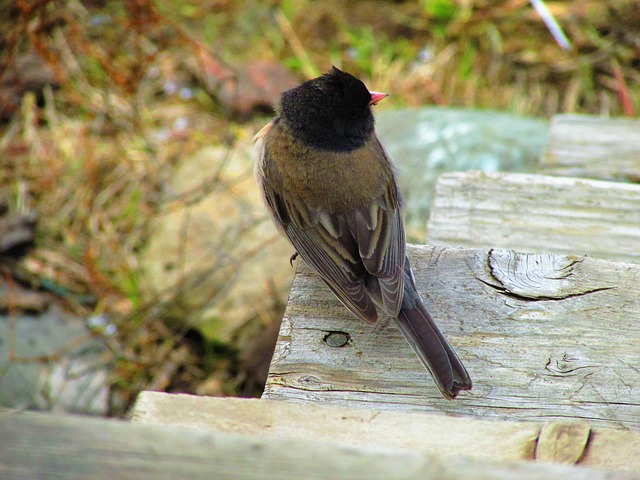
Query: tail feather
x=433 y=349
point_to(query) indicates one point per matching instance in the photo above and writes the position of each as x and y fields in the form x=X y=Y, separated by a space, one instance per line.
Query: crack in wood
x=536 y=277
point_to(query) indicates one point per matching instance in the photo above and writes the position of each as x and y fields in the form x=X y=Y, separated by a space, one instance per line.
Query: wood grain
x=594 y=147
x=537 y=213
x=560 y=442
x=550 y=343
x=45 y=446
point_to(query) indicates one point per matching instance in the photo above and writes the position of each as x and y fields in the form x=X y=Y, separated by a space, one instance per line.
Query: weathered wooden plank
x=503 y=441
x=537 y=213
x=570 y=443
x=43 y=446
x=543 y=337
x=594 y=147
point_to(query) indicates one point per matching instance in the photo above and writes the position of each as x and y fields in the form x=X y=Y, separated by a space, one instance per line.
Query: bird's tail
x=434 y=351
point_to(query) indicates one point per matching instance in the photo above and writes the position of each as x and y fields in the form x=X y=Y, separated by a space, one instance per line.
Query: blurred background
x=134 y=250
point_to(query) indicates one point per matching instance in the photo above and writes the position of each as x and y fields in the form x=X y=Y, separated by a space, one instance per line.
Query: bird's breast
x=335 y=181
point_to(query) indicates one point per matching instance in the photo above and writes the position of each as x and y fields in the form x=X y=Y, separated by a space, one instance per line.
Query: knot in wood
x=337 y=339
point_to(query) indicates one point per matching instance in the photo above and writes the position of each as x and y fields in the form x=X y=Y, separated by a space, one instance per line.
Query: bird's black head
x=331 y=112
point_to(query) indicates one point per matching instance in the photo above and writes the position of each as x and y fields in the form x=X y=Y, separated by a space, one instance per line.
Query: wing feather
x=346 y=249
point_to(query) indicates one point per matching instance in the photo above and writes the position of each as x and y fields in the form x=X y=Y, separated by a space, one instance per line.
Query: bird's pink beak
x=376 y=97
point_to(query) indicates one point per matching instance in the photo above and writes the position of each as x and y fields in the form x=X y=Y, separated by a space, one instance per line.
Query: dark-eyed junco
x=330 y=187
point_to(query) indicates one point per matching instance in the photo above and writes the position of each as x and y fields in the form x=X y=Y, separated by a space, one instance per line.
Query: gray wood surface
x=543 y=337
x=537 y=213
x=560 y=442
x=44 y=446
x=594 y=147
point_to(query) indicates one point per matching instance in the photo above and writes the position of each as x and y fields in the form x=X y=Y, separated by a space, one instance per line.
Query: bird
x=330 y=187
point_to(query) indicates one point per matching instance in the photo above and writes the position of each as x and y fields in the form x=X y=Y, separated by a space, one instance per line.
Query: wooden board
x=537 y=213
x=562 y=442
x=544 y=338
x=45 y=446
x=594 y=147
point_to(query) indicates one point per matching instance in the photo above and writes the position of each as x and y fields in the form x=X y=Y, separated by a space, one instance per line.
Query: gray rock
x=428 y=141
x=218 y=256
x=49 y=362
